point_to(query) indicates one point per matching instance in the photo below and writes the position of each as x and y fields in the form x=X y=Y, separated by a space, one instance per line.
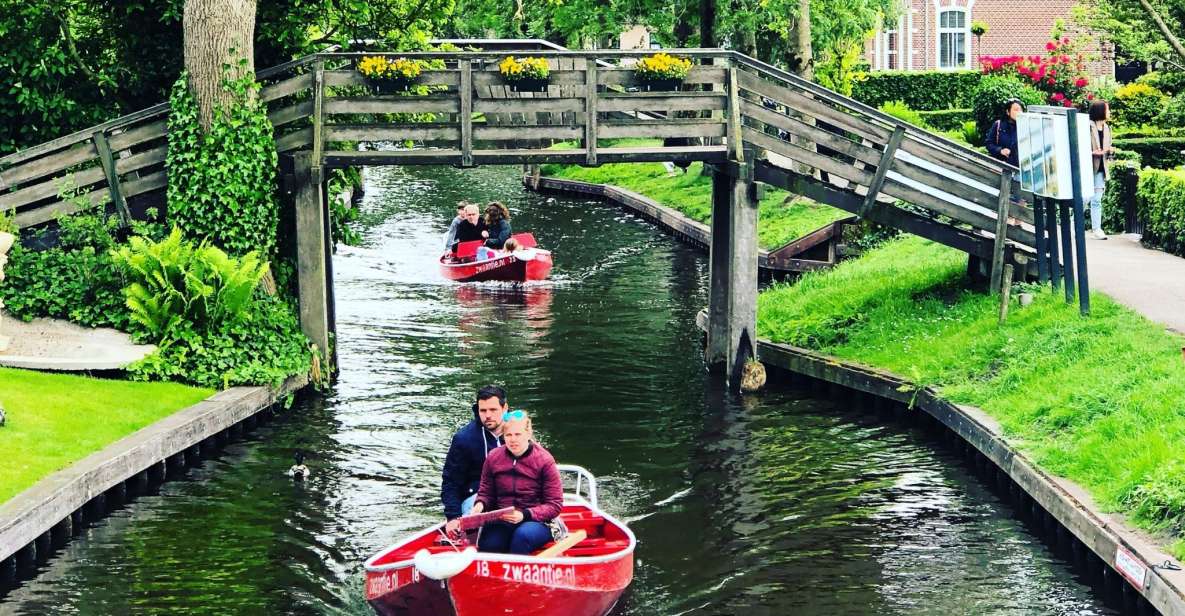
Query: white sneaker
x=1099 y=235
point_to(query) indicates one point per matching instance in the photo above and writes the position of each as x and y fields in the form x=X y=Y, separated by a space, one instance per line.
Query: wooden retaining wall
x=40 y=520
x=1127 y=563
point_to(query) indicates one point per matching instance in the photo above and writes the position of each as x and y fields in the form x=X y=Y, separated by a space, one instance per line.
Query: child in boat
x=523 y=475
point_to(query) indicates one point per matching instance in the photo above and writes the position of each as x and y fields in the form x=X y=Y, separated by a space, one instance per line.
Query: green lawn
x=55 y=420
x=779 y=222
x=1099 y=400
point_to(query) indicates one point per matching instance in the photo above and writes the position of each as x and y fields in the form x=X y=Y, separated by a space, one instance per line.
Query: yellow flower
x=523 y=68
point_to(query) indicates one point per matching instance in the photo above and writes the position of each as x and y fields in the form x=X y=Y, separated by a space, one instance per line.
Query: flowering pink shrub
x=1060 y=74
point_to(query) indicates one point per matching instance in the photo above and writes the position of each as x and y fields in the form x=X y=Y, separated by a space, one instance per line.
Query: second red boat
x=528 y=264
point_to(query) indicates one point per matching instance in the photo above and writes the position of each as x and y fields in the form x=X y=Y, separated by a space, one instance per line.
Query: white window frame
x=884 y=52
x=941 y=31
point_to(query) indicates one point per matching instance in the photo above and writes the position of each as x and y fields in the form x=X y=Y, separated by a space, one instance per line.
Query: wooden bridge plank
x=295 y=140
x=52 y=187
x=526 y=105
x=343 y=78
x=663 y=101
x=882 y=168
x=291 y=113
x=819 y=161
x=49 y=165
x=546 y=132
x=811 y=133
x=392 y=132
x=92 y=199
x=491 y=77
x=801 y=103
x=392 y=104
x=138 y=135
x=625 y=76
x=662 y=128
x=285 y=88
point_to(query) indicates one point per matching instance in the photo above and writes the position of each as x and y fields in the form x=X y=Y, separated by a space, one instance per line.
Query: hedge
x=921 y=90
x=1158 y=152
x=947 y=119
x=1160 y=203
x=1119 y=197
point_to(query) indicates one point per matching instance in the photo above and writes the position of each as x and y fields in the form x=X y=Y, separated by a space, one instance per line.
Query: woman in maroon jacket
x=523 y=475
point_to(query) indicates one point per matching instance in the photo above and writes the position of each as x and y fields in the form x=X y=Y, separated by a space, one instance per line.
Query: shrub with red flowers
x=1060 y=74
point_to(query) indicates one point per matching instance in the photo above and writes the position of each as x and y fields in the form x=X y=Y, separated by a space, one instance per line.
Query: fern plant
x=176 y=283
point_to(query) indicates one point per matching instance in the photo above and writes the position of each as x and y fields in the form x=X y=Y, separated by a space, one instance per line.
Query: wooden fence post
x=590 y=112
x=318 y=113
x=878 y=178
x=466 y=94
x=108 y=161
x=310 y=251
x=732 y=308
x=1001 y=229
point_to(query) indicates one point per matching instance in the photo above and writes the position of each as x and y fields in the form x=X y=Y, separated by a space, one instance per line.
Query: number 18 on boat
x=584 y=574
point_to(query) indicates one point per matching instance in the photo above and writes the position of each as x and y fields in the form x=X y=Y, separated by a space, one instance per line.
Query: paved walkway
x=1150 y=282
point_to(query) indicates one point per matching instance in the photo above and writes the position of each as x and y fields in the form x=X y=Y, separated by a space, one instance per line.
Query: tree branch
x=1172 y=39
x=71 y=49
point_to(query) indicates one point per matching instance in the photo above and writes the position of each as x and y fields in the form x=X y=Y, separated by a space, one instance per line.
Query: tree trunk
x=806 y=57
x=707 y=23
x=217 y=32
x=1172 y=40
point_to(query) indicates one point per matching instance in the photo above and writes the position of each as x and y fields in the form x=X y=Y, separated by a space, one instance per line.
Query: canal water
x=776 y=504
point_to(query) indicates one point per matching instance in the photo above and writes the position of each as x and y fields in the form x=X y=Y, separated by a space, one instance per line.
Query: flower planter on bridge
x=528 y=85
x=661 y=85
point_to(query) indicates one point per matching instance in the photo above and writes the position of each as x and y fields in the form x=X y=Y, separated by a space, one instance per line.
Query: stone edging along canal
x=1124 y=562
x=41 y=519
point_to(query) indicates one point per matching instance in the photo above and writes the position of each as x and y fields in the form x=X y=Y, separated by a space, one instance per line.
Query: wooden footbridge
x=750 y=121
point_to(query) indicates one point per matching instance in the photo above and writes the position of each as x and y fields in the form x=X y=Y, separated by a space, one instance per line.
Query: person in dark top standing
x=1000 y=140
x=471 y=227
x=497 y=221
x=468 y=451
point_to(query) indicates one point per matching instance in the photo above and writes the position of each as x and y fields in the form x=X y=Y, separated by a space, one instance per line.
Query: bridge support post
x=732 y=303
x=311 y=262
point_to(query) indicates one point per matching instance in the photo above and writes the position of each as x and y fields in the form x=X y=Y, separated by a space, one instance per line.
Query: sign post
x=1055 y=158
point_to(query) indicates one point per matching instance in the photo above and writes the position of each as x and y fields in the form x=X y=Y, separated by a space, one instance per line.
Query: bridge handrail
x=838 y=99
x=129 y=119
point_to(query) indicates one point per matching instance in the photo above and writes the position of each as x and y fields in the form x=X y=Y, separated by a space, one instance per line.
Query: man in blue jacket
x=467 y=453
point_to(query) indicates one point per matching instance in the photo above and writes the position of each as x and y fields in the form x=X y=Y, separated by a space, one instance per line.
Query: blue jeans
x=1096 y=201
x=522 y=538
x=467 y=504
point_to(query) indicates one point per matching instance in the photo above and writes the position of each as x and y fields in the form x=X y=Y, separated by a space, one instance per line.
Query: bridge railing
x=865 y=151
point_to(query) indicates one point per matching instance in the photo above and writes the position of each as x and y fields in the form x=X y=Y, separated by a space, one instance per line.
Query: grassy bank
x=55 y=420
x=779 y=221
x=1096 y=400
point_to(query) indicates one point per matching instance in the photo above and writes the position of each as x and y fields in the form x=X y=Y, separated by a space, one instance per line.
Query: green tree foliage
x=1127 y=24
x=70 y=64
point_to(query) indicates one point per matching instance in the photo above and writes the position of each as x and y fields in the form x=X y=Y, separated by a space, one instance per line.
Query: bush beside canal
x=55 y=420
x=1096 y=399
x=782 y=216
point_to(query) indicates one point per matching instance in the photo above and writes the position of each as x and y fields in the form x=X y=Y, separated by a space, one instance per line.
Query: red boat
x=530 y=263
x=425 y=575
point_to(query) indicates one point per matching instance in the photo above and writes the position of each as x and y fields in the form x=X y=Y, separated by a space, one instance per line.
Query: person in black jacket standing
x=1001 y=137
x=467 y=453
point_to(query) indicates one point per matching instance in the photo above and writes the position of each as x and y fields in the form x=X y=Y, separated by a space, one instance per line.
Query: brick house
x=936 y=34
